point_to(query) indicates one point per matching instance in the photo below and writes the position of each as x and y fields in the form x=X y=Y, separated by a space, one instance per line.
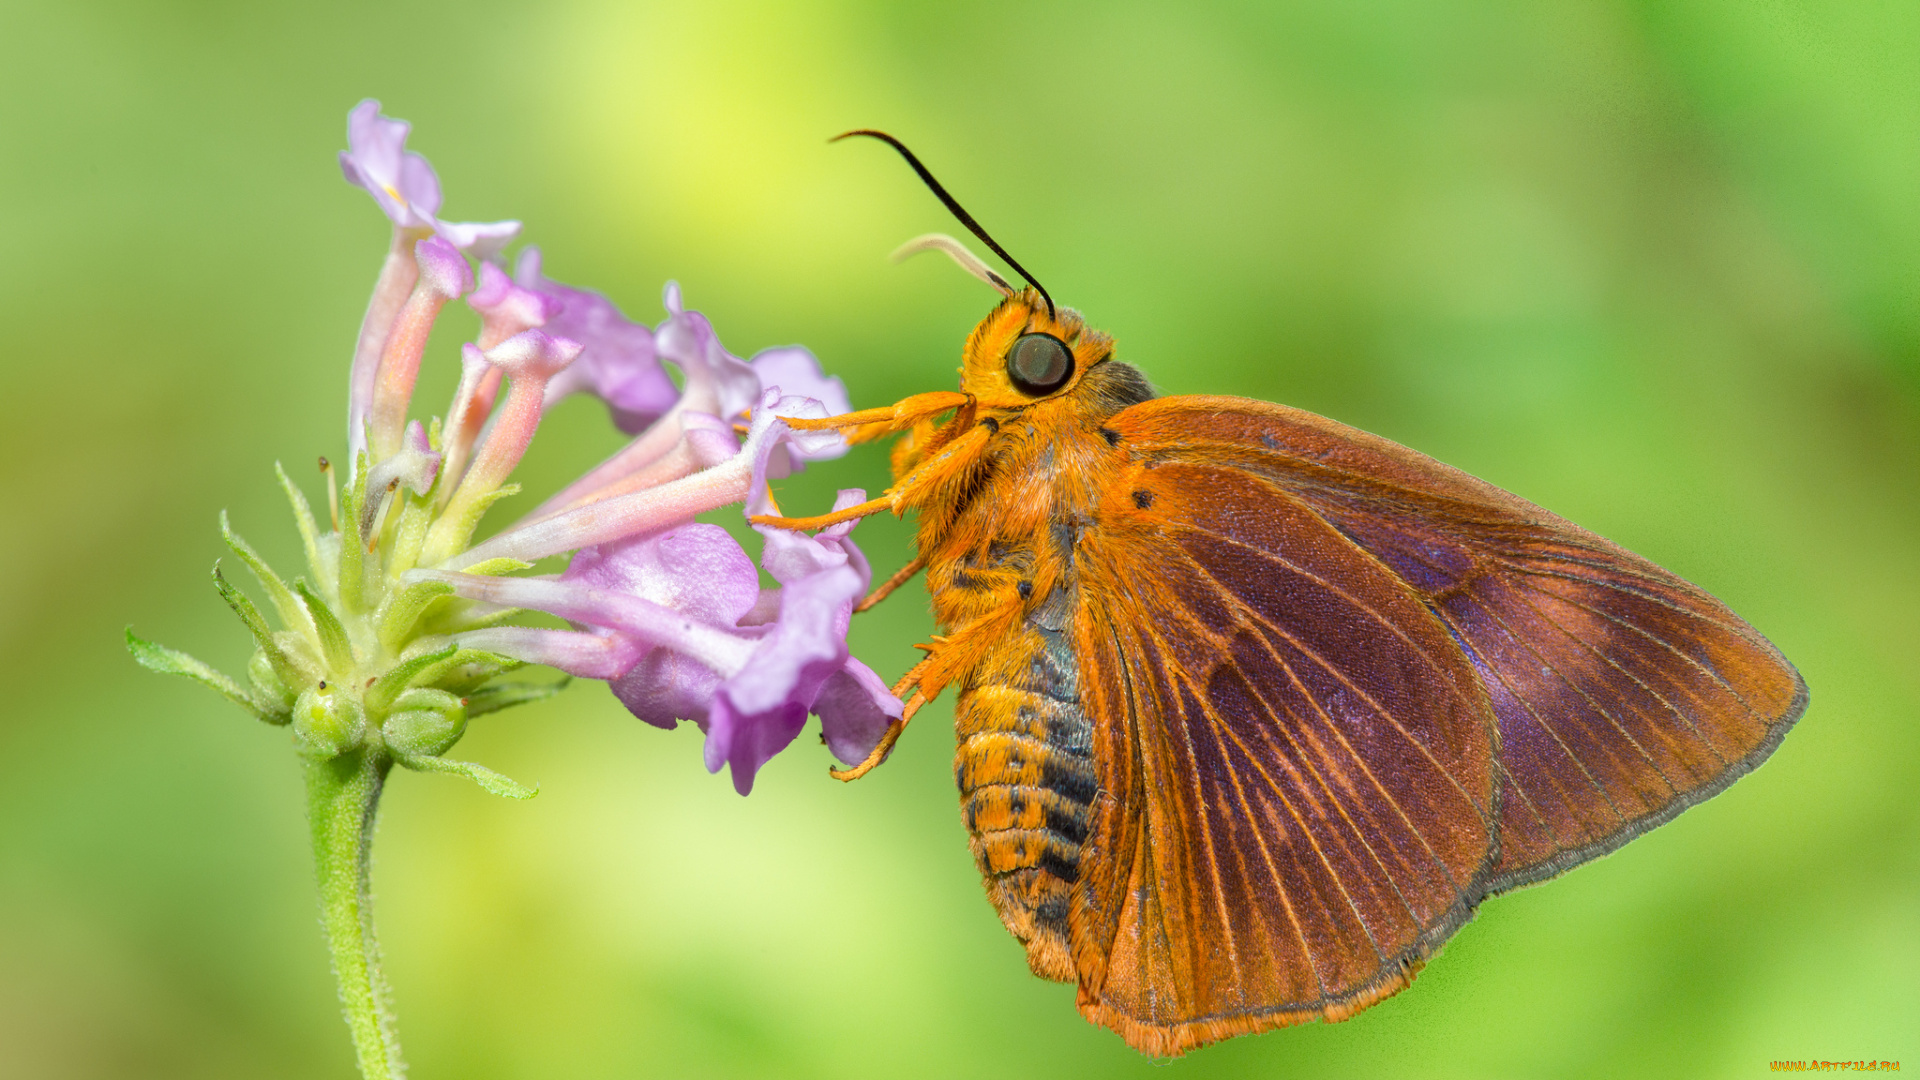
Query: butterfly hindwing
x=1298 y=788
x=1624 y=694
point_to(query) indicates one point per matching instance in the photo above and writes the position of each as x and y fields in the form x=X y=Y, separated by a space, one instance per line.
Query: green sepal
x=353 y=545
x=450 y=536
x=304 y=521
x=410 y=534
x=266 y=682
x=497 y=567
x=283 y=665
x=456 y=620
x=333 y=636
x=403 y=607
x=157 y=657
x=291 y=613
x=388 y=687
x=467 y=670
x=499 y=696
x=479 y=774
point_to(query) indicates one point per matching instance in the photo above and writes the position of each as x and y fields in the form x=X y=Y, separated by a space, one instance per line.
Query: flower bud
x=328 y=722
x=424 y=723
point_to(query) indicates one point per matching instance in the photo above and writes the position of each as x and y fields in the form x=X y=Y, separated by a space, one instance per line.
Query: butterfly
x=1254 y=708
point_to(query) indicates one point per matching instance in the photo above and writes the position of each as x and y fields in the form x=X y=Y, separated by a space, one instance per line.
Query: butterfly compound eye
x=1039 y=364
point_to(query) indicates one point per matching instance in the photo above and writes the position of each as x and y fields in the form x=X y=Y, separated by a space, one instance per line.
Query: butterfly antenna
x=953 y=206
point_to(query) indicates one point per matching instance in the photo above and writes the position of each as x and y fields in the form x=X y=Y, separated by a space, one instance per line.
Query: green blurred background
x=1655 y=266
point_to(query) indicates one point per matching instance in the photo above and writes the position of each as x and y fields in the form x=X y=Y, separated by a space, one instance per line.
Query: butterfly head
x=1026 y=351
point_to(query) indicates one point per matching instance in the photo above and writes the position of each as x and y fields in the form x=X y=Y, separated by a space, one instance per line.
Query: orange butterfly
x=1256 y=708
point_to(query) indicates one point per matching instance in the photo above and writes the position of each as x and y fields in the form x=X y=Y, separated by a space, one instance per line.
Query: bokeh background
x=1655 y=266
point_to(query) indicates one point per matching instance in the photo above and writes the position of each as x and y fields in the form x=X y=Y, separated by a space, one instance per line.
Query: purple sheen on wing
x=855 y=708
x=698 y=570
x=619 y=364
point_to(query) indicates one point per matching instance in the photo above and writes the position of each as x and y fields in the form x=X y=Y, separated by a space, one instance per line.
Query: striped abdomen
x=1027 y=783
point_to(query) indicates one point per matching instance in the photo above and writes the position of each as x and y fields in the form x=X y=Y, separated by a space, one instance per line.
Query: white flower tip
x=442 y=268
x=670 y=298
x=534 y=354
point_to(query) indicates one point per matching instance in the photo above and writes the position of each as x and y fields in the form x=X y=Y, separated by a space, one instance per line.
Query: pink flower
x=670 y=613
x=667 y=611
x=401 y=181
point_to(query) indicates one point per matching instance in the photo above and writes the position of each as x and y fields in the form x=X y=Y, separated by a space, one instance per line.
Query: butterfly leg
x=821 y=521
x=952 y=457
x=904 y=575
x=873 y=423
x=892 y=735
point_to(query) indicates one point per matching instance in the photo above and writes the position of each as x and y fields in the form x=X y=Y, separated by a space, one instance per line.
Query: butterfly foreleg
x=905 y=494
x=892 y=734
x=886 y=588
x=867 y=424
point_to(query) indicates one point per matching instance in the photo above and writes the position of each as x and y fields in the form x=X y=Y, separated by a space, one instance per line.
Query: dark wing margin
x=1298 y=792
x=1624 y=694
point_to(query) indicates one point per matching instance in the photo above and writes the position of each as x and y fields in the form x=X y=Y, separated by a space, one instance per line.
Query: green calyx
x=361 y=662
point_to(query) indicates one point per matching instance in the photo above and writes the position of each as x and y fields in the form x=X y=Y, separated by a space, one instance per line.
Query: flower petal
x=855 y=708
x=687 y=339
x=795 y=372
x=619 y=364
x=377 y=160
x=697 y=570
x=665 y=687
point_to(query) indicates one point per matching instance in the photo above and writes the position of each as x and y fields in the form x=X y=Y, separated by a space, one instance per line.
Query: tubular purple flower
x=796 y=372
x=691 y=597
x=380 y=654
x=413 y=467
x=529 y=359
x=505 y=309
x=377 y=159
x=401 y=181
x=601 y=521
x=618 y=365
x=408 y=192
x=687 y=339
x=443 y=276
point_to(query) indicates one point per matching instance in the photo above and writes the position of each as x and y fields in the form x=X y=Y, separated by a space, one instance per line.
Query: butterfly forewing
x=1624 y=694
x=1298 y=758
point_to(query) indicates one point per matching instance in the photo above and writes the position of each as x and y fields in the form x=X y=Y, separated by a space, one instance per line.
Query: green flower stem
x=343 y=794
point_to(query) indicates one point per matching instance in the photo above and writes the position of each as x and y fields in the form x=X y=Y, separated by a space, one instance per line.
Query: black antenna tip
x=953 y=207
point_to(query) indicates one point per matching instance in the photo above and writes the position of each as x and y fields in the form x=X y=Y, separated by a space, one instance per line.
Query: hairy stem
x=343 y=795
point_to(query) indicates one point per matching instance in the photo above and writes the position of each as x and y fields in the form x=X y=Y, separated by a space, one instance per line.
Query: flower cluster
x=394 y=641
